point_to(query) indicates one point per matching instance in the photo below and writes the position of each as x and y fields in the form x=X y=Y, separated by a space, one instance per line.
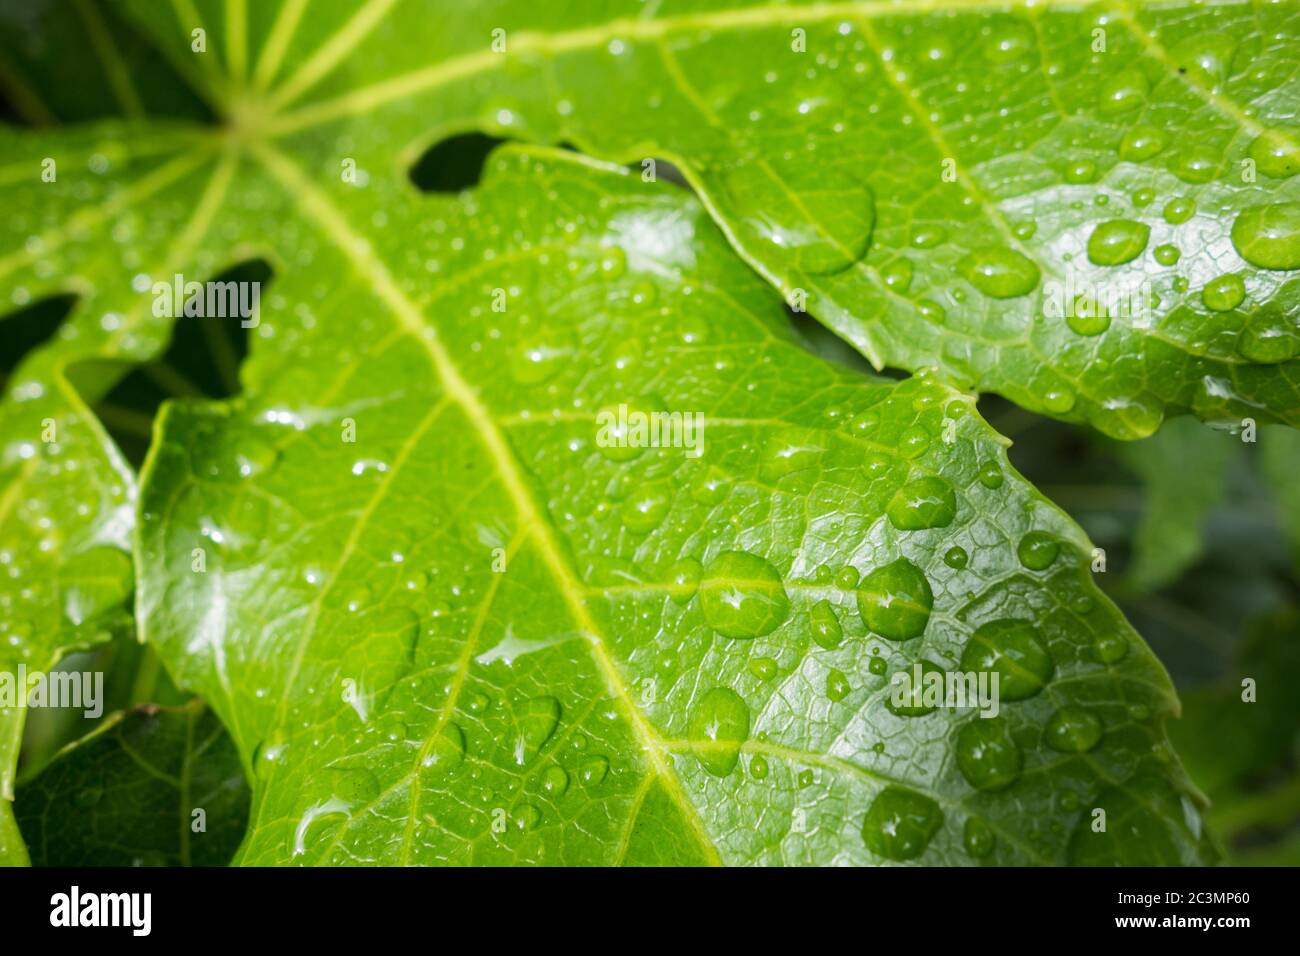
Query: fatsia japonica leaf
x=450 y=617
x=150 y=787
x=444 y=620
x=1090 y=208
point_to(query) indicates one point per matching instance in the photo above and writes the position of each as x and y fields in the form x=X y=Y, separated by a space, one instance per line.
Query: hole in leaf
x=202 y=361
x=453 y=164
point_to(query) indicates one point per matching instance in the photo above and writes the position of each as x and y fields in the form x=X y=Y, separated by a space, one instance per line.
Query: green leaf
x=152 y=787
x=680 y=635
x=442 y=619
x=943 y=183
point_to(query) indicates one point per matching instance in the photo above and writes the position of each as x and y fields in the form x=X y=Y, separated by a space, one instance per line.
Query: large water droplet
x=1117 y=241
x=444 y=755
x=1269 y=236
x=1124 y=92
x=718 y=726
x=900 y=824
x=1000 y=273
x=1073 y=730
x=912 y=703
x=1224 y=293
x=1275 y=155
x=1038 y=550
x=928 y=502
x=743 y=596
x=647 y=506
x=986 y=756
x=1013 y=650
x=895 y=601
x=536 y=720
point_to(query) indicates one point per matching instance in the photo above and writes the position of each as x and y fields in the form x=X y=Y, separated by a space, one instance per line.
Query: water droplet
x=758 y=767
x=1111 y=648
x=956 y=557
x=232 y=455
x=791 y=451
x=1013 y=650
x=1224 y=293
x=594 y=771
x=928 y=502
x=647 y=506
x=555 y=781
x=1117 y=241
x=764 y=668
x=1124 y=92
x=898 y=275
x=527 y=817
x=978 y=838
x=928 y=236
x=684 y=576
x=1000 y=273
x=805 y=779
x=1080 y=171
x=536 y=720
x=914 y=442
x=826 y=630
x=1178 y=210
x=1073 y=730
x=837 y=685
x=1195 y=164
x=847 y=578
x=900 y=824
x=824 y=224
x=986 y=756
x=990 y=475
x=718 y=726
x=1269 y=236
x=1088 y=317
x=1141 y=143
x=913 y=701
x=895 y=600
x=742 y=596
x=534 y=362
x=1275 y=155
x=1144 y=197
x=1167 y=255
x=1038 y=550
x=444 y=755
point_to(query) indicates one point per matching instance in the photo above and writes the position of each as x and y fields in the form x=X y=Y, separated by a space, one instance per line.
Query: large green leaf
x=942 y=180
x=394 y=695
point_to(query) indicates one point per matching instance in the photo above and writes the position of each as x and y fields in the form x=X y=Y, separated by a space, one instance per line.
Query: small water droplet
x=928 y=502
x=1269 y=236
x=1037 y=550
